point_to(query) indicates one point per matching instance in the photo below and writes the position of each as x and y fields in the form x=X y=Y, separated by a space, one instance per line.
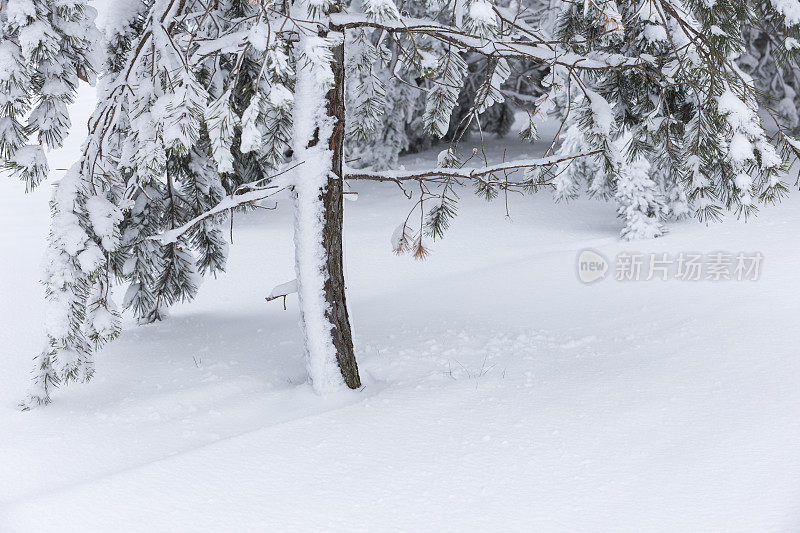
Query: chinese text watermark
x=683 y=266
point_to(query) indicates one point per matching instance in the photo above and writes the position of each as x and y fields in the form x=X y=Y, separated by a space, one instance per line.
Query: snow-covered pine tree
x=399 y=127
x=200 y=85
x=46 y=47
x=162 y=164
x=682 y=131
x=765 y=59
x=160 y=275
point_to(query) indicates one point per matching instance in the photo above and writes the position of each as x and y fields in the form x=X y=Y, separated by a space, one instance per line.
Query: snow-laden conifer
x=47 y=46
x=687 y=109
x=205 y=108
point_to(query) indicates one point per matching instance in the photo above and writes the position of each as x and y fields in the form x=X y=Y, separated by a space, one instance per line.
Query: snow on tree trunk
x=318 y=143
x=332 y=234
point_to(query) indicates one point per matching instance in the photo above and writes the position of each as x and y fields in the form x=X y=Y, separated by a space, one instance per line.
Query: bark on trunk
x=332 y=234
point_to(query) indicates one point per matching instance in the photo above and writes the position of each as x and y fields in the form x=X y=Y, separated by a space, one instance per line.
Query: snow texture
x=602 y=113
x=501 y=393
x=790 y=9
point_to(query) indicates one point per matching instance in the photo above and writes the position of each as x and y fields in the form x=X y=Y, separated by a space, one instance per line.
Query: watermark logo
x=684 y=266
x=592 y=266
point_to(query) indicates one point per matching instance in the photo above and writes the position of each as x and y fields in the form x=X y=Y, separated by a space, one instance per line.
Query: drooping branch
x=474 y=173
x=230 y=202
x=282 y=181
x=521 y=47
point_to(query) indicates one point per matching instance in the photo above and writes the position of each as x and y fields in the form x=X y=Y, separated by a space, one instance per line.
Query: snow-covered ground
x=500 y=392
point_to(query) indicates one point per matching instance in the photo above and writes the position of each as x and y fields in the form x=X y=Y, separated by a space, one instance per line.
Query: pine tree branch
x=550 y=52
x=277 y=183
x=474 y=173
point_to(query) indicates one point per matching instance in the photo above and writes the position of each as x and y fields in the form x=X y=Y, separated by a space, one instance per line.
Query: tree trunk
x=319 y=144
x=332 y=232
